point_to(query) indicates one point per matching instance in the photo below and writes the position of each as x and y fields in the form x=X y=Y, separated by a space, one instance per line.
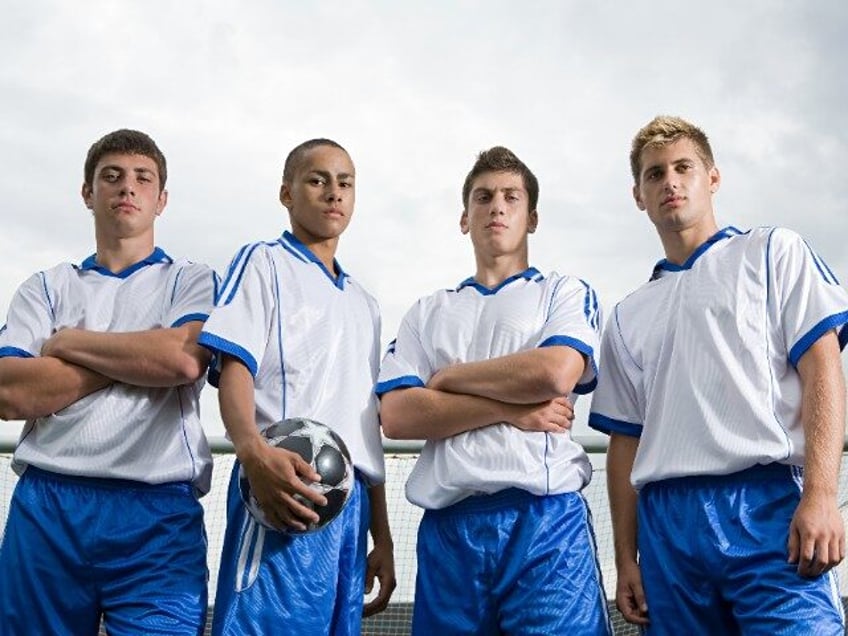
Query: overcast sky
x=414 y=91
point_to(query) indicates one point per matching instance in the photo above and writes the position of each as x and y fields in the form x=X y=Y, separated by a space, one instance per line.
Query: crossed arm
x=527 y=389
x=77 y=362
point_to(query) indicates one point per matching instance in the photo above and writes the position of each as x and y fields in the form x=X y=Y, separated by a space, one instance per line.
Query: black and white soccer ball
x=325 y=450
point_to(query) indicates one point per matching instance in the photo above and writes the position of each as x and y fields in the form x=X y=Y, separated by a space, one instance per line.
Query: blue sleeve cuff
x=608 y=425
x=831 y=322
x=403 y=382
x=14 y=352
x=219 y=346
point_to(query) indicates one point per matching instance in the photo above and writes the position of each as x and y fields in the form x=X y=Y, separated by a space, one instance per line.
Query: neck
x=324 y=250
x=679 y=245
x=118 y=254
x=492 y=271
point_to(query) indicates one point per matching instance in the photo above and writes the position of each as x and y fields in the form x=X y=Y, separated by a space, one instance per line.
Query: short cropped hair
x=662 y=130
x=297 y=154
x=500 y=159
x=125 y=142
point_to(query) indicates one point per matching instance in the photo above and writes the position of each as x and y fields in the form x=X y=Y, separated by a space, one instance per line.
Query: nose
x=497 y=206
x=334 y=193
x=127 y=186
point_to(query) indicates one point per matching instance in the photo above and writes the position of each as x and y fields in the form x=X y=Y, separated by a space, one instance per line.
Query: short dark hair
x=663 y=130
x=125 y=142
x=500 y=159
x=295 y=157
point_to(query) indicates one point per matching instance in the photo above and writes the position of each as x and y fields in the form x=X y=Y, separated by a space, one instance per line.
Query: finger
x=807 y=561
x=295 y=510
x=793 y=545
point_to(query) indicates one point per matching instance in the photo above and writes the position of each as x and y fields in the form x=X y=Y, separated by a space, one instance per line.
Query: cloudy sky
x=414 y=90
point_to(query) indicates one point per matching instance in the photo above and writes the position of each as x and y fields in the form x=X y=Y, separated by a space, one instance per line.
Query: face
x=676 y=187
x=497 y=216
x=124 y=196
x=321 y=195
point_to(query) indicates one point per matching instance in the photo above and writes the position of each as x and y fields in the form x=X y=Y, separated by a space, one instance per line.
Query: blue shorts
x=76 y=548
x=509 y=563
x=272 y=582
x=713 y=553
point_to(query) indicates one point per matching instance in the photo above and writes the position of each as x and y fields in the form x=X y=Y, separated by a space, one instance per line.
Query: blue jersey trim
x=297 y=248
x=403 y=382
x=190 y=318
x=157 y=256
x=608 y=425
x=531 y=273
x=582 y=347
x=14 y=352
x=239 y=263
x=46 y=291
x=831 y=322
x=664 y=264
x=843 y=337
x=217 y=345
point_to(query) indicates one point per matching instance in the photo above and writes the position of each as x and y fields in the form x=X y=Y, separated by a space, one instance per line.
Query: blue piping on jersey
x=609 y=425
x=590 y=307
x=824 y=270
x=280 y=349
x=180 y=390
x=218 y=345
x=787 y=439
x=14 y=352
x=47 y=295
x=831 y=322
x=531 y=273
x=547 y=468
x=621 y=338
x=157 y=256
x=403 y=382
x=582 y=347
x=664 y=264
x=293 y=245
x=390 y=348
x=176 y=282
x=244 y=259
x=189 y=318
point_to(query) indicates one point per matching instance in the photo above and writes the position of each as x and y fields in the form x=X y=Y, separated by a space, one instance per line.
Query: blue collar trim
x=665 y=266
x=157 y=256
x=308 y=255
x=531 y=273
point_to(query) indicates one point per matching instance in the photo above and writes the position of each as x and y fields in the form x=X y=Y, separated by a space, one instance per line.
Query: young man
x=724 y=396
x=295 y=336
x=101 y=360
x=482 y=372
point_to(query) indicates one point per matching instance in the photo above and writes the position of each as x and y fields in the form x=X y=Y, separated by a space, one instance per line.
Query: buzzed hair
x=296 y=156
x=125 y=142
x=500 y=159
x=662 y=130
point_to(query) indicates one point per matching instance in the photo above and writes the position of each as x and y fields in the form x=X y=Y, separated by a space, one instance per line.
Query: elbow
x=10 y=407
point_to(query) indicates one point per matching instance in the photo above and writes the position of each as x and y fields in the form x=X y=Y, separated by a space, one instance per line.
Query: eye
x=109 y=175
x=346 y=184
x=316 y=181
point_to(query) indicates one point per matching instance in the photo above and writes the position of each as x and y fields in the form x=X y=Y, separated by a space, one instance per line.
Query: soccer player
x=724 y=397
x=483 y=373
x=295 y=336
x=101 y=360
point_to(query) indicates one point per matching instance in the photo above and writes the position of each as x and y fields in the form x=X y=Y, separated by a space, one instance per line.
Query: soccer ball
x=326 y=452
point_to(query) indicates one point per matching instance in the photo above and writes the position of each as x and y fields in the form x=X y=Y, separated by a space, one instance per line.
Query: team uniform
x=106 y=517
x=311 y=342
x=505 y=544
x=700 y=365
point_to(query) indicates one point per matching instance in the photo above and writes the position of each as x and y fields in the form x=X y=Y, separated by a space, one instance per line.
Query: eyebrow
x=327 y=173
x=138 y=170
x=479 y=189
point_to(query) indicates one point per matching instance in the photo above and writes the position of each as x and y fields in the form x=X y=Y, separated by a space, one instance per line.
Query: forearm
x=37 y=387
x=623 y=498
x=422 y=413
x=379 y=526
x=823 y=416
x=238 y=408
x=154 y=358
x=526 y=377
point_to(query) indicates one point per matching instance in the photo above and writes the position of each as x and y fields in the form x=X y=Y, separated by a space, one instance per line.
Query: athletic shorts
x=509 y=563
x=76 y=548
x=713 y=557
x=277 y=583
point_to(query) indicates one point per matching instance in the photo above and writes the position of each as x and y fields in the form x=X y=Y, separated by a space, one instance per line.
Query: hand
x=53 y=345
x=381 y=564
x=630 y=596
x=275 y=476
x=554 y=416
x=816 y=535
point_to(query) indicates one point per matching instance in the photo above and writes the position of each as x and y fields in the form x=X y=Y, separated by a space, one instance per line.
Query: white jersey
x=473 y=323
x=700 y=361
x=311 y=342
x=145 y=434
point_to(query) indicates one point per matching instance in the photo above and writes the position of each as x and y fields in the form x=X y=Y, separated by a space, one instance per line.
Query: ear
x=86 y=194
x=715 y=179
x=285 y=196
x=163 y=201
x=638 y=198
x=463 y=222
x=532 y=221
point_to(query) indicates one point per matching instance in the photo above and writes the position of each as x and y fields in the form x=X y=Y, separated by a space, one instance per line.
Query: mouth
x=334 y=212
x=673 y=200
x=494 y=225
x=125 y=206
